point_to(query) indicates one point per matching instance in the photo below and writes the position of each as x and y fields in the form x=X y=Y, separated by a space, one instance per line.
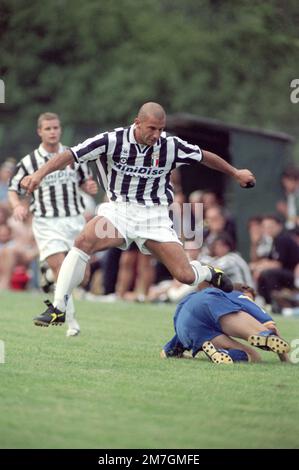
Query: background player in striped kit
x=57 y=205
x=134 y=166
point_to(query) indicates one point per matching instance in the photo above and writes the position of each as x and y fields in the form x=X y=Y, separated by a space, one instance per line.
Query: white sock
x=202 y=273
x=71 y=274
x=70 y=314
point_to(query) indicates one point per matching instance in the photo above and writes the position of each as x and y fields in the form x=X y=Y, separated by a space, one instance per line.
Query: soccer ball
x=47 y=280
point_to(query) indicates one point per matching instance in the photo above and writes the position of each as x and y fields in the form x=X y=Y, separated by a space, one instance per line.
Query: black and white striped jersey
x=235 y=267
x=58 y=194
x=135 y=173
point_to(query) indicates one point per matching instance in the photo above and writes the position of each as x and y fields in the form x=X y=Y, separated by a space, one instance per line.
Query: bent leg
x=240 y=324
x=175 y=259
x=243 y=325
x=98 y=235
x=173 y=256
x=223 y=341
x=55 y=261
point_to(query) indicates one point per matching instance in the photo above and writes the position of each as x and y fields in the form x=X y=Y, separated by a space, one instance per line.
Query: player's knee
x=84 y=243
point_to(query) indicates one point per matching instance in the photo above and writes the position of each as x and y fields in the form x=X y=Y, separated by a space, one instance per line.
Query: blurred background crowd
x=95 y=63
x=272 y=266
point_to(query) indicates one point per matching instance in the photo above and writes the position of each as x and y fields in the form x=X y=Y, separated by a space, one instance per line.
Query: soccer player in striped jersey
x=134 y=166
x=57 y=205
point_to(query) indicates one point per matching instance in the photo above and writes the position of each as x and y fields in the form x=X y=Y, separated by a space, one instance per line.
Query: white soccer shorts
x=56 y=234
x=138 y=223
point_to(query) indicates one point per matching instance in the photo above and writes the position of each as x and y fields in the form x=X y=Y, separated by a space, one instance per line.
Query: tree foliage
x=96 y=62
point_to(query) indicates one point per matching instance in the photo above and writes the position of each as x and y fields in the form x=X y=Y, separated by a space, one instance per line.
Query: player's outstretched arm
x=58 y=162
x=244 y=177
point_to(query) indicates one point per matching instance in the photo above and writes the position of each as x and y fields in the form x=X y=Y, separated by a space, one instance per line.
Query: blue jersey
x=197 y=315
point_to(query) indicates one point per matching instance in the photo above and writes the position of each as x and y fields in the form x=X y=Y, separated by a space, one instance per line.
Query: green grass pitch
x=108 y=388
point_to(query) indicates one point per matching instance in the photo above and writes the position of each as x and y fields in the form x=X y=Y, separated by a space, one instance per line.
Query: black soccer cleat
x=220 y=280
x=173 y=348
x=51 y=316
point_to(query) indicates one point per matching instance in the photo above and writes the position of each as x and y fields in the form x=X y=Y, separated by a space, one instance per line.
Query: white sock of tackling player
x=71 y=274
x=202 y=273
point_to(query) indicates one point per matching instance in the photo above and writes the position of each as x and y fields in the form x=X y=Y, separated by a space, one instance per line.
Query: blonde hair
x=46 y=117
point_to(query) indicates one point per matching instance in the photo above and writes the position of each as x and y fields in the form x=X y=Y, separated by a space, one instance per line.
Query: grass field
x=109 y=389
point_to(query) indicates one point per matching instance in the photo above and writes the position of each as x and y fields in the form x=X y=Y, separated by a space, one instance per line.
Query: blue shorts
x=197 y=316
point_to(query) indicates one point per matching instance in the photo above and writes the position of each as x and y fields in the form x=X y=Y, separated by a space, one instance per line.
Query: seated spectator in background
x=207 y=199
x=277 y=269
x=224 y=256
x=196 y=197
x=289 y=207
x=6 y=171
x=260 y=244
x=136 y=274
x=17 y=249
x=5 y=237
x=211 y=199
x=207 y=320
x=215 y=224
x=4 y=213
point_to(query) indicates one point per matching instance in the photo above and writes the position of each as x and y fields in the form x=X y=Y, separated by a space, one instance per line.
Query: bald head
x=149 y=123
x=151 y=109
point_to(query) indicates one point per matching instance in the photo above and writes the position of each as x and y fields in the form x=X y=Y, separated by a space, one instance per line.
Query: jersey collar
x=43 y=152
x=131 y=136
x=142 y=148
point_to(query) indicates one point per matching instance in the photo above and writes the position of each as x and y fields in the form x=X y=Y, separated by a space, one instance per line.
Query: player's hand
x=31 y=182
x=20 y=212
x=90 y=186
x=271 y=325
x=245 y=178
